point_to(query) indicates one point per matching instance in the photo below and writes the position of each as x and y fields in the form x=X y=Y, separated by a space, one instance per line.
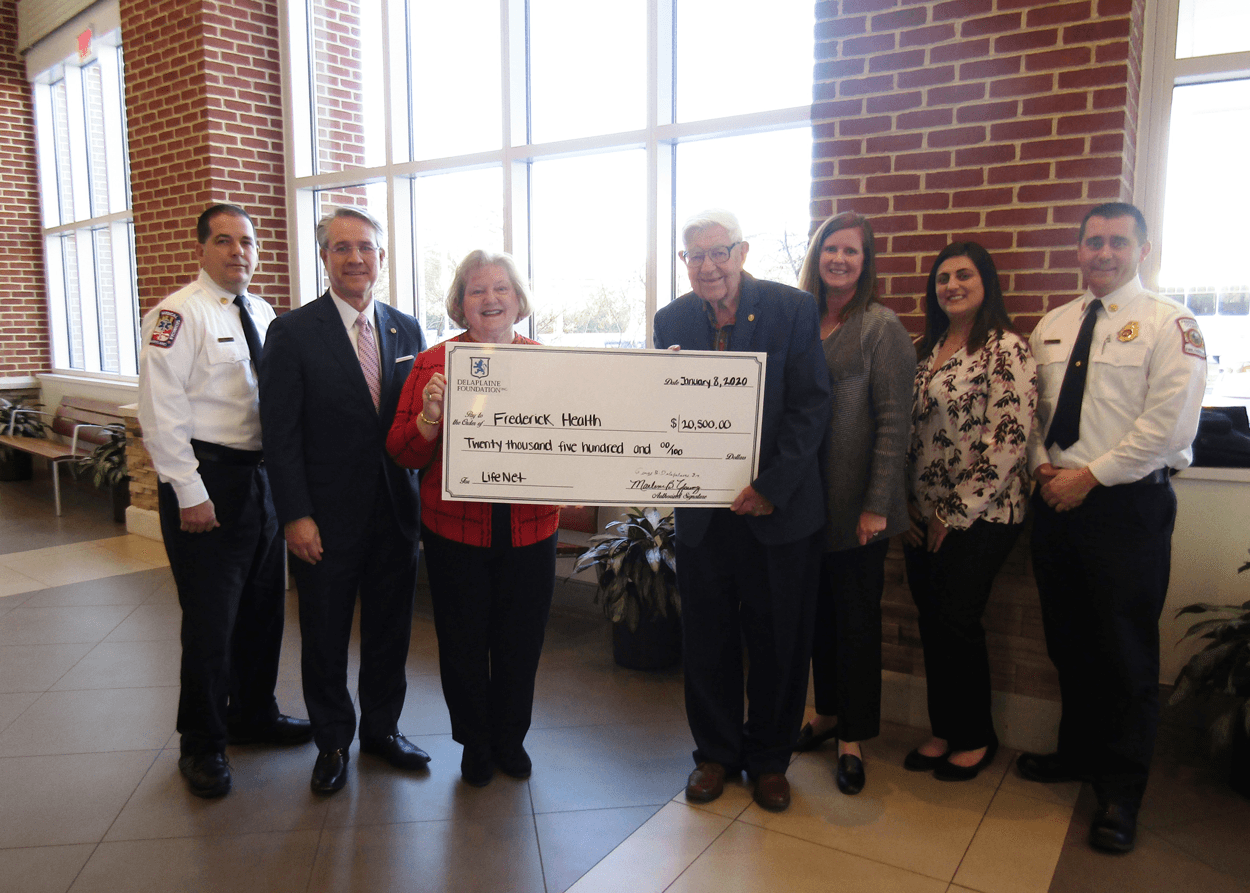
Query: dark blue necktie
x=249 y=332
x=1065 y=427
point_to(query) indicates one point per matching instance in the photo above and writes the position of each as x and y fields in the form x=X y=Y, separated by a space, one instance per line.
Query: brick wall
x=204 y=106
x=998 y=121
x=23 y=304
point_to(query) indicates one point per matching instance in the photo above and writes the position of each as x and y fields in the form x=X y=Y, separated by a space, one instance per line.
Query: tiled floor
x=92 y=800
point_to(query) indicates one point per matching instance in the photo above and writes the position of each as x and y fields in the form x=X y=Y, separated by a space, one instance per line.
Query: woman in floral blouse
x=968 y=485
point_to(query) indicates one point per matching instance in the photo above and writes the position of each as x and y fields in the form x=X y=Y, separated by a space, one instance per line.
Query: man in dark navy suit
x=331 y=377
x=749 y=573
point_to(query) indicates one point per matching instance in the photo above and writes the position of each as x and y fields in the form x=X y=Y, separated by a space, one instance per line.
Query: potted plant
x=1222 y=670
x=21 y=419
x=636 y=566
x=106 y=465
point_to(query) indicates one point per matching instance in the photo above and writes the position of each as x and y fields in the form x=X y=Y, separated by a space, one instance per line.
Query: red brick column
x=24 y=346
x=204 y=107
x=1000 y=121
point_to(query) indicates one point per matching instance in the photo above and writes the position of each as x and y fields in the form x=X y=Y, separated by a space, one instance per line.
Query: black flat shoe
x=207 y=774
x=948 y=771
x=918 y=762
x=1047 y=768
x=850 y=774
x=396 y=750
x=809 y=740
x=476 y=767
x=1114 y=829
x=330 y=771
x=284 y=730
x=515 y=762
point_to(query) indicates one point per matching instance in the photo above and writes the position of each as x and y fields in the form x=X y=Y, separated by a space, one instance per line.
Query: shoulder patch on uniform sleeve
x=166 y=331
x=1191 y=338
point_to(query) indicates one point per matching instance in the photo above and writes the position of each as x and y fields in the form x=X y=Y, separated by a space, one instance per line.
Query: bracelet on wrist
x=938 y=514
x=435 y=422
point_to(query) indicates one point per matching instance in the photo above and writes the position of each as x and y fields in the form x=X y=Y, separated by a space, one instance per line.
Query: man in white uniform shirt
x=200 y=413
x=1116 y=417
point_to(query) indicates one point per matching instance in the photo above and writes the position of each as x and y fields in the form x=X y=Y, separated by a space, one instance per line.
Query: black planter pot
x=1239 y=771
x=655 y=645
x=15 y=465
x=121 y=500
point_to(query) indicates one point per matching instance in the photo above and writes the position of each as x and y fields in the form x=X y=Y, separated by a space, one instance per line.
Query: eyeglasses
x=345 y=248
x=719 y=255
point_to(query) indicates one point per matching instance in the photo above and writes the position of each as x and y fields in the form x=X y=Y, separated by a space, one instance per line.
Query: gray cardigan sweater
x=872 y=364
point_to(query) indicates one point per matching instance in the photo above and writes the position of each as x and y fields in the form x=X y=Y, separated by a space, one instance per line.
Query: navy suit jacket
x=325 y=445
x=782 y=322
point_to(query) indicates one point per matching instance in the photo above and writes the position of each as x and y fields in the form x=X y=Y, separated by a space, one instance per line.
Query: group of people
x=324 y=426
x=947 y=443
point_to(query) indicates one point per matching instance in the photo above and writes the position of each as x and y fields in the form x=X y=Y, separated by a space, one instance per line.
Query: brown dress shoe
x=706 y=783
x=772 y=791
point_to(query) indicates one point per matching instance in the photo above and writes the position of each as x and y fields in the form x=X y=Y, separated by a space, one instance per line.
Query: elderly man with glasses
x=748 y=573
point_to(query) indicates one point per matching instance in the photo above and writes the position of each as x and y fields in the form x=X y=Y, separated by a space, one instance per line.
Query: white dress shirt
x=1143 y=391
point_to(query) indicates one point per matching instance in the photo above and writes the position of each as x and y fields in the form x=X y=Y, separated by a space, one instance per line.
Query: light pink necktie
x=368 y=353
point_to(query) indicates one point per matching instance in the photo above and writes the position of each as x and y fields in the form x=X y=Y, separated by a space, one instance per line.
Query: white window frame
x=658 y=137
x=1161 y=72
x=53 y=59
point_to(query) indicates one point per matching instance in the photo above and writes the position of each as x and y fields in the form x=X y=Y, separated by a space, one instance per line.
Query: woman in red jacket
x=491 y=565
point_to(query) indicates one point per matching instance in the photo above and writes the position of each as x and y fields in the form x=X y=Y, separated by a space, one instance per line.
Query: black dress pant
x=232 y=594
x=734 y=591
x=1102 y=573
x=379 y=563
x=951 y=588
x=846 y=647
x=490 y=613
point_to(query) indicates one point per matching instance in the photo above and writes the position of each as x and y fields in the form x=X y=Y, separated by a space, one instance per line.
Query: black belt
x=224 y=455
x=1158 y=476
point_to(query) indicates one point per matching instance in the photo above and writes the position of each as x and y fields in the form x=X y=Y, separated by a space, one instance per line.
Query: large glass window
x=577 y=136
x=1202 y=258
x=80 y=130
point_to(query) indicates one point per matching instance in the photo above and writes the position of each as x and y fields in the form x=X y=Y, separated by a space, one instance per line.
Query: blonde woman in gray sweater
x=872 y=364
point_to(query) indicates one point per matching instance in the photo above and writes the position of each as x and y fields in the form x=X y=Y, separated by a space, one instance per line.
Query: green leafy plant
x=106 y=463
x=1221 y=667
x=25 y=418
x=636 y=565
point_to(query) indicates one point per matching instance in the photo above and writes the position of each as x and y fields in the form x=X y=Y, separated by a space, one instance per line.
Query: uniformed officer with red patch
x=200 y=413
x=1121 y=376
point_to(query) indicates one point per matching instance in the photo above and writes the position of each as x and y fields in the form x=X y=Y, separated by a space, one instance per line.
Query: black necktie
x=249 y=332
x=1065 y=427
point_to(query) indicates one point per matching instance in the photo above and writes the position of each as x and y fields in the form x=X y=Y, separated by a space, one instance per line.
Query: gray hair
x=323 y=225
x=709 y=218
x=474 y=261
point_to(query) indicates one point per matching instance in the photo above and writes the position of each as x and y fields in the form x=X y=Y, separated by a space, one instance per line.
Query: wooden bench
x=83 y=421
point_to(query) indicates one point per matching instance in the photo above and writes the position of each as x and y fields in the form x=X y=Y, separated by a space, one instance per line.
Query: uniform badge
x=1129 y=332
x=167 y=326
x=1191 y=338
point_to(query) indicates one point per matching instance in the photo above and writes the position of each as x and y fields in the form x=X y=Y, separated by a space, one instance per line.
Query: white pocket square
x=406 y=359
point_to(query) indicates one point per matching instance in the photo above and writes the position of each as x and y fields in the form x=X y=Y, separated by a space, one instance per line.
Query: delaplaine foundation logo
x=479 y=368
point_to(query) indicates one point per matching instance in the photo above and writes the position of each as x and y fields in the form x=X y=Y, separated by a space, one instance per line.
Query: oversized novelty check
x=586 y=426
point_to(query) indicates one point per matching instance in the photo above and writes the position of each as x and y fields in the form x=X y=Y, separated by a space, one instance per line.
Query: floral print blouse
x=970 y=426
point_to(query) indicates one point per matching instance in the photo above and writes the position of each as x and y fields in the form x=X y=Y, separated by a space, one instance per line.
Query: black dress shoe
x=396 y=750
x=809 y=740
x=1114 y=829
x=850 y=774
x=515 y=762
x=918 y=762
x=207 y=774
x=476 y=767
x=948 y=771
x=283 y=730
x=330 y=771
x=1047 y=768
